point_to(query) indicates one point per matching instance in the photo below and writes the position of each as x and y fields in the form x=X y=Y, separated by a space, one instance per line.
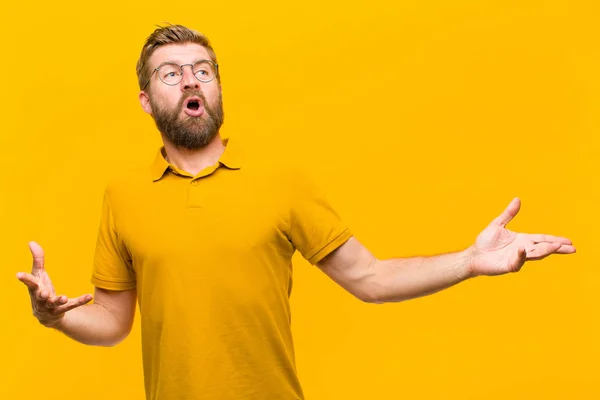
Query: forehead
x=180 y=53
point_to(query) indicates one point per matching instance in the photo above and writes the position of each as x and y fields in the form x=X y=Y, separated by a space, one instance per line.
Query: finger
x=542 y=250
x=509 y=213
x=29 y=280
x=42 y=295
x=538 y=238
x=566 y=249
x=55 y=301
x=74 y=303
x=38 y=257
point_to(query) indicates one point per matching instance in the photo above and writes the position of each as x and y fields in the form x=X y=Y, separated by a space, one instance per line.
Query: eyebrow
x=177 y=63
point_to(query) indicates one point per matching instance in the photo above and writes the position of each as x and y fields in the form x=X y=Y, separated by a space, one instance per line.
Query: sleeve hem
x=331 y=246
x=112 y=284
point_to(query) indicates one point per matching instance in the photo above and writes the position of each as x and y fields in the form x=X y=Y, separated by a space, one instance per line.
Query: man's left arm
x=496 y=251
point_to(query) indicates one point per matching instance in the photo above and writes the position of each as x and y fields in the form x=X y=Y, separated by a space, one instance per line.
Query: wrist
x=56 y=322
x=469 y=265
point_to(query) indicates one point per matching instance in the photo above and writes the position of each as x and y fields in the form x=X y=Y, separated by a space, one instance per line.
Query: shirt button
x=194 y=183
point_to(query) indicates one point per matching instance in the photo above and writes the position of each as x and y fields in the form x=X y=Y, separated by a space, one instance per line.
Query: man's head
x=180 y=86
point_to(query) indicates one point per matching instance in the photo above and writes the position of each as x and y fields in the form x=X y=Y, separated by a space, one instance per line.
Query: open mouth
x=193 y=106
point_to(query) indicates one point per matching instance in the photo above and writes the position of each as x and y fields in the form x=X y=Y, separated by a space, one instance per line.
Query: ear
x=145 y=102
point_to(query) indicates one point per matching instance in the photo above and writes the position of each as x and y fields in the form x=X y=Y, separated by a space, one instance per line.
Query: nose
x=189 y=81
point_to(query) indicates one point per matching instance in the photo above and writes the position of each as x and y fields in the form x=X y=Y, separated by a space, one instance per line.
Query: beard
x=188 y=132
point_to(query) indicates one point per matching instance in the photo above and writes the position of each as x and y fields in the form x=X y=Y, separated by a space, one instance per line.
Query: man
x=211 y=267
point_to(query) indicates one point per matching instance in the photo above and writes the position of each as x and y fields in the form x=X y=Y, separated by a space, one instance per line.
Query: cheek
x=212 y=94
x=166 y=101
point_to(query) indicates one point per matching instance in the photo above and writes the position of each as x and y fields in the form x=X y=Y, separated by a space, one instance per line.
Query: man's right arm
x=106 y=322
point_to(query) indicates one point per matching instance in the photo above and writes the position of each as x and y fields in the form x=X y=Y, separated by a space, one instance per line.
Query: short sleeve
x=316 y=229
x=112 y=268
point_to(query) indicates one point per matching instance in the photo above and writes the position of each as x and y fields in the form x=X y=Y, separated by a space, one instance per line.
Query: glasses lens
x=205 y=71
x=170 y=74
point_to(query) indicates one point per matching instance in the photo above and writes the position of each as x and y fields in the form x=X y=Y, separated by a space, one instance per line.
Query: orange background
x=420 y=120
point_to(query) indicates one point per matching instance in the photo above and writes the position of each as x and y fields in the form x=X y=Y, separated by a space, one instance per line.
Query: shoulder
x=128 y=182
x=277 y=176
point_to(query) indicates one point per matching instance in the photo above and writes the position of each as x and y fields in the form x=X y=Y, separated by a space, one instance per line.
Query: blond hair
x=169 y=35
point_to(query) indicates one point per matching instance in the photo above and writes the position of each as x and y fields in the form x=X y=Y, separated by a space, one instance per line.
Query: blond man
x=211 y=269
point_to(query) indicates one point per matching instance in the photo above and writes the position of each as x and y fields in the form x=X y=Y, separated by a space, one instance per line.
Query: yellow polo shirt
x=210 y=257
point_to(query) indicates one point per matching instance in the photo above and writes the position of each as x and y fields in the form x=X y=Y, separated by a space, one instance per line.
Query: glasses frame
x=214 y=64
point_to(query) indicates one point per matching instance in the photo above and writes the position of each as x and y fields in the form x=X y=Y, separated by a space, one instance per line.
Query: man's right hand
x=47 y=307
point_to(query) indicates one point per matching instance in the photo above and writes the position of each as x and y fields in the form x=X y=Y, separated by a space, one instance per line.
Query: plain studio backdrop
x=420 y=120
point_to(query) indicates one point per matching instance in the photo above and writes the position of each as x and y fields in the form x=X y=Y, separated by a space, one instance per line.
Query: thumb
x=38 y=257
x=508 y=214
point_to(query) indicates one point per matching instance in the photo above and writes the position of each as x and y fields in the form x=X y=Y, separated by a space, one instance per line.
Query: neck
x=194 y=161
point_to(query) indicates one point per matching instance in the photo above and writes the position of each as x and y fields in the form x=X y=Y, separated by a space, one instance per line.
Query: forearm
x=92 y=324
x=395 y=280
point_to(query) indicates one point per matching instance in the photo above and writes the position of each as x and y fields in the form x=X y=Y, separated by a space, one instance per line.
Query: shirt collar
x=230 y=158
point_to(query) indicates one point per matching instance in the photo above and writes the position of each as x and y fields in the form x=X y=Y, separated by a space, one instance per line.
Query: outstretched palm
x=47 y=307
x=498 y=250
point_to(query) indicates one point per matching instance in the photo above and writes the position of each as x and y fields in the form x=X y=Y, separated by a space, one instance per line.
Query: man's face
x=190 y=113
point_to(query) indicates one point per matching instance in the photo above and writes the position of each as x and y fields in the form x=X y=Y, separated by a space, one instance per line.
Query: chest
x=189 y=227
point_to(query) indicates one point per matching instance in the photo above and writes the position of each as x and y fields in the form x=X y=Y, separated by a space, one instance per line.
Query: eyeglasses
x=171 y=74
